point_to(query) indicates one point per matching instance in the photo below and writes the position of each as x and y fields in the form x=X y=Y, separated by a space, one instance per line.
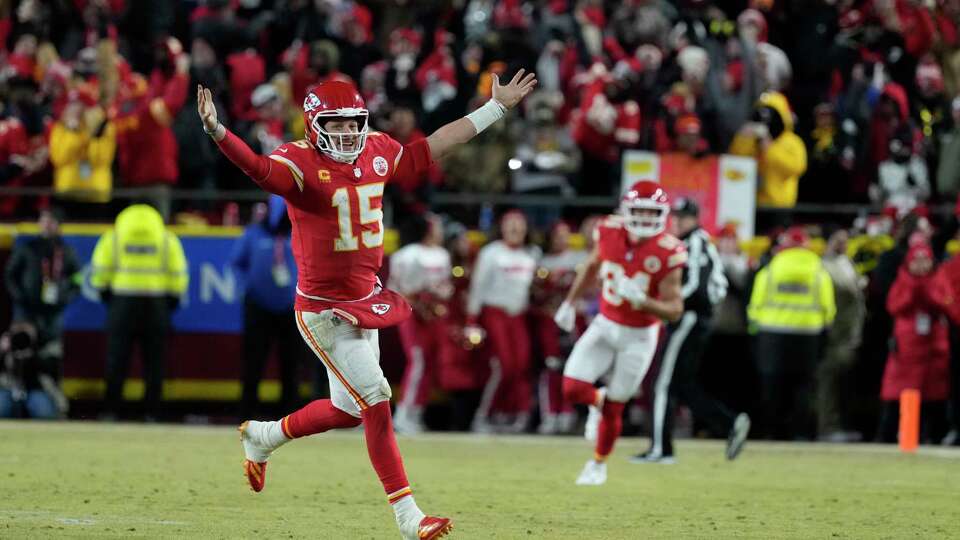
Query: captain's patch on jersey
x=380 y=165
x=380 y=309
x=652 y=264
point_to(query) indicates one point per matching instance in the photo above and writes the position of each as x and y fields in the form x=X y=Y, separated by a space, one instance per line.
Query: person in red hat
x=333 y=182
x=687 y=137
x=920 y=302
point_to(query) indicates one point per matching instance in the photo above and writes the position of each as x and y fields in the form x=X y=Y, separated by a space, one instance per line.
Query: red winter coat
x=146 y=146
x=601 y=128
x=247 y=71
x=921 y=357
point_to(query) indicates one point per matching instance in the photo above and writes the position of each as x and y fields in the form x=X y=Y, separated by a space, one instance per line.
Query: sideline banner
x=723 y=186
x=213 y=303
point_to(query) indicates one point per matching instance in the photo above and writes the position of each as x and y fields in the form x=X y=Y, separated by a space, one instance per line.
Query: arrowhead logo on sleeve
x=380 y=309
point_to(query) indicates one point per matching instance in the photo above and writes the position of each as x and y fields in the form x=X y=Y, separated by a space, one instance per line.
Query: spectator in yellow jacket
x=82 y=147
x=781 y=155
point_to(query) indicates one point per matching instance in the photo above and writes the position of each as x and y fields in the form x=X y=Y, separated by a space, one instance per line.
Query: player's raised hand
x=511 y=93
x=206 y=109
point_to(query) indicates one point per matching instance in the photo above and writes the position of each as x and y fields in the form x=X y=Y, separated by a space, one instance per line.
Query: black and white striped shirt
x=704 y=284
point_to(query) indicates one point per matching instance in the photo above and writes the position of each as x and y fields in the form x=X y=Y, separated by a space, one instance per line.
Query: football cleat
x=256 y=453
x=738 y=436
x=430 y=527
x=594 y=473
x=650 y=457
x=256 y=474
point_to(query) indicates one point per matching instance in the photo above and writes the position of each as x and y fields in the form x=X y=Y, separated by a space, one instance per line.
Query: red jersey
x=337 y=217
x=335 y=208
x=645 y=263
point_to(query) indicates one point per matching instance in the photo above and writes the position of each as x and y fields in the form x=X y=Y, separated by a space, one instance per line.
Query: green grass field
x=87 y=480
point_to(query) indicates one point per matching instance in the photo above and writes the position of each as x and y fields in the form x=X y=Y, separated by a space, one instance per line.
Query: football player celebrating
x=640 y=267
x=333 y=182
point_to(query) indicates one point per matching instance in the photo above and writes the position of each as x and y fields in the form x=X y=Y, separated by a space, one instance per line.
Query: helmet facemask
x=644 y=218
x=342 y=146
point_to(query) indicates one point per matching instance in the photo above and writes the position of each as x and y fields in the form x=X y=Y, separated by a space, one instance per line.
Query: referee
x=704 y=286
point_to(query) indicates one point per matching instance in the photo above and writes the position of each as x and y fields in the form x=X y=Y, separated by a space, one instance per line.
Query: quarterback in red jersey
x=333 y=182
x=640 y=268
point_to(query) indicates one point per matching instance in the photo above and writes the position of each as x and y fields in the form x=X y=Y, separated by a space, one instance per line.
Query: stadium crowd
x=838 y=100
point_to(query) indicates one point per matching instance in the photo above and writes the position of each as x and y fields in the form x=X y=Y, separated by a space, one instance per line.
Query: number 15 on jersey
x=364 y=195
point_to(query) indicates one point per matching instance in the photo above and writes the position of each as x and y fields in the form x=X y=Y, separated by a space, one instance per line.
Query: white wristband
x=486 y=115
x=218 y=132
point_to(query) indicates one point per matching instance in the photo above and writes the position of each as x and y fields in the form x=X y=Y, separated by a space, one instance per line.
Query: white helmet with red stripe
x=332 y=101
x=645 y=207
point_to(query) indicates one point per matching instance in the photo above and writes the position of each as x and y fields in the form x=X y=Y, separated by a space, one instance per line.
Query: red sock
x=316 y=417
x=383 y=451
x=579 y=392
x=610 y=426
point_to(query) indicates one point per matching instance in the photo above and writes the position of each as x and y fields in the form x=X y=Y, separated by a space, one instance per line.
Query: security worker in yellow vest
x=791 y=307
x=141 y=273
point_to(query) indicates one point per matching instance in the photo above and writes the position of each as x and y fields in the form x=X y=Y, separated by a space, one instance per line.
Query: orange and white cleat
x=256 y=453
x=434 y=527
x=256 y=474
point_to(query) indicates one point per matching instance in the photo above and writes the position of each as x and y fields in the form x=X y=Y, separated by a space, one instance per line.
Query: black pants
x=786 y=364
x=677 y=382
x=143 y=320
x=261 y=330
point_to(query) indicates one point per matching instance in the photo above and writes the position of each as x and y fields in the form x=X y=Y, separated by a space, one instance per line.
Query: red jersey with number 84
x=646 y=263
x=337 y=217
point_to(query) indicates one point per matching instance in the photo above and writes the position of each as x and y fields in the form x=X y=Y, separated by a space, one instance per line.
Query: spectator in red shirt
x=147 y=148
x=920 y=302
x=247 y=71
x=607 y=122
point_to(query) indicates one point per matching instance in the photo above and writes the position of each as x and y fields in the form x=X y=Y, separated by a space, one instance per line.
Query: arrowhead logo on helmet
x=340 y=104
x=645 y=207
x=380 y=309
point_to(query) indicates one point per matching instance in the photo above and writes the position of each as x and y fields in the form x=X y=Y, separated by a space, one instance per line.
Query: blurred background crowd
x=849 y=107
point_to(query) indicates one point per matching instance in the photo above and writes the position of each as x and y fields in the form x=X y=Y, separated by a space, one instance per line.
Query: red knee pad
x=575 y=391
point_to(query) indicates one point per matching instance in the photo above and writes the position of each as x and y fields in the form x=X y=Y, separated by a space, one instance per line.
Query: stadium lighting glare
x=514 y=164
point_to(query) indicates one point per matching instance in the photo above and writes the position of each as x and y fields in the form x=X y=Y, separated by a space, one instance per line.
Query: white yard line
x=40 y=515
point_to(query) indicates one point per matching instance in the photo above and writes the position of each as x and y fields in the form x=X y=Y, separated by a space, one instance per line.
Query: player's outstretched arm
x=505 y=97
x=566 y=315
x=274 y=179
x=669 y=305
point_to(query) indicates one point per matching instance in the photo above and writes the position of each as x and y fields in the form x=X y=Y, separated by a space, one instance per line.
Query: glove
x=565 y=317
x=631 y=291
